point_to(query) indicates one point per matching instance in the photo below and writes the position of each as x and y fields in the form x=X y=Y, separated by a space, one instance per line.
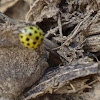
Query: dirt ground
x=72 y=26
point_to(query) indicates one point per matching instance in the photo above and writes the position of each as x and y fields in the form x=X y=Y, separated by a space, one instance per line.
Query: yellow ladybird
x=31 y=37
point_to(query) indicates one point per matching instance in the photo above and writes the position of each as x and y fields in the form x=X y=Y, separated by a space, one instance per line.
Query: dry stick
x=6 y=18
x=29 y=12
x=46 y=1
x=73 y=88
x=77 y=27
x=51 y=31
x=88 y=27
x=31 y=8
x=49 y=45
x=75 y=31
x=54 y=30
x=98 y=14
x=85 y=86
x=98 y=7
x=88 y=85
x=60 y=26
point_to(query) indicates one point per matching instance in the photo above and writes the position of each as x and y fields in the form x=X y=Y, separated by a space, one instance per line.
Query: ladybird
x=31 y=37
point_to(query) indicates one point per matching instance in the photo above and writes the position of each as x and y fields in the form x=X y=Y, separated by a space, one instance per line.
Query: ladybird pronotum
x=31 y=37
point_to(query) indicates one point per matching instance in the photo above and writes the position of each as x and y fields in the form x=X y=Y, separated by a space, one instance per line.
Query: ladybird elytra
x=31 y=37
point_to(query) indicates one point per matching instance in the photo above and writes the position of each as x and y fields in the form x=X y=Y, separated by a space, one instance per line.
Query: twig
x=6 y=18
x=52 y=31
x=98 y=14
x=87 y=85
x=98 y=7
x=73 y=88
x=60 y=26
x=76 y=30
x=29 y=12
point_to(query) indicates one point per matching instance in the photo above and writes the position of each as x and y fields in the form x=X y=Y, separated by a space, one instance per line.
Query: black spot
x=30 y=34
x=27 y=39
x=32 y=47
x=38 y=45
x=35 y=31
x=34 y=43
x=22 y=42
x=28 y=44
x=37 y=38
x=31 y=27
x=40 y=33
x=21 y=36
x=41 y=39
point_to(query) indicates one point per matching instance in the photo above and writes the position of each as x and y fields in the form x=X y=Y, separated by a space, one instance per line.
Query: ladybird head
x=31 y=37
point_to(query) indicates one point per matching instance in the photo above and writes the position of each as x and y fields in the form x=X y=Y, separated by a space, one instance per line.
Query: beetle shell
x=31 y=37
